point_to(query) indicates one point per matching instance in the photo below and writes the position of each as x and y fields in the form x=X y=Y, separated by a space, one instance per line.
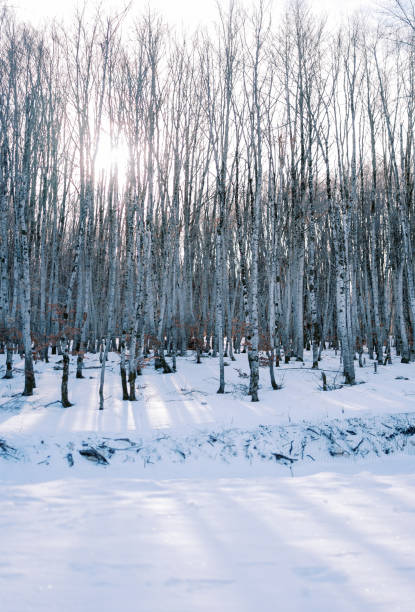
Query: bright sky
x=190 y=13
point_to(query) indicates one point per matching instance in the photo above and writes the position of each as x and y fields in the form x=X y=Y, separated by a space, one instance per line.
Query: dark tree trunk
x=64 y=387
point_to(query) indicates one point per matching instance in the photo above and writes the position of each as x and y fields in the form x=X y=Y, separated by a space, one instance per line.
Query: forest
x=207 y=307
x=246 y=188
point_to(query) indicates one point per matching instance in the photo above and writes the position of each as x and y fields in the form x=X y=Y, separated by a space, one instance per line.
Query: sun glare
x=108 y=156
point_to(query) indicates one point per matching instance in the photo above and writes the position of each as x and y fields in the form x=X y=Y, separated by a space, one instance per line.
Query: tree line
x=265 y=204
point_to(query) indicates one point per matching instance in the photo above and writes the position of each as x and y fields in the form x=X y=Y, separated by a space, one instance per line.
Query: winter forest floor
x=186 y=500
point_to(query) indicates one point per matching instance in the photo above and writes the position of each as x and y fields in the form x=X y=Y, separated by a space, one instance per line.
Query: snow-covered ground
x=187 y=399
x=326 y=542
x=194 y=501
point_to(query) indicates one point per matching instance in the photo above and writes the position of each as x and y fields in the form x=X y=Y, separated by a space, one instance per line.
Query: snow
x=187 y=399
x=322 y=542
x=195 y=509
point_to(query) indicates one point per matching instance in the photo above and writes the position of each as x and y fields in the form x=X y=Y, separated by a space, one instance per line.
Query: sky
x=187 y=13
